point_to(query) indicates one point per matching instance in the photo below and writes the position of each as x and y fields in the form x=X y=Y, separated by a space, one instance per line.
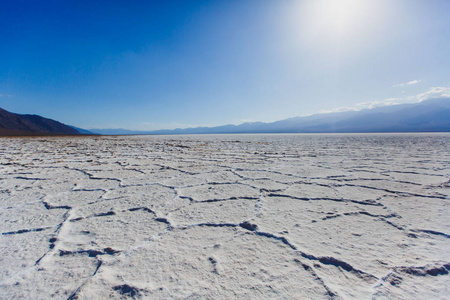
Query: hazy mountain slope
x=116 y=131
x=16 y=124
x=430 y=115
x=427 y=116
x=81 y=130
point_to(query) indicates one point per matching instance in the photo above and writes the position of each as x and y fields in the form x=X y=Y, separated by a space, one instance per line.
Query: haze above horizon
x=148 y=65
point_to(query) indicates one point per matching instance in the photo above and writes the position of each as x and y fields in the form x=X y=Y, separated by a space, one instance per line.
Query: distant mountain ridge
x=118 y=131
x=12 y=124
x=426 y=116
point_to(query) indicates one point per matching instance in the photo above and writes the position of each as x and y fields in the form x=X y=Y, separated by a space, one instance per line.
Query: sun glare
x=339 y=15
x=337 y=20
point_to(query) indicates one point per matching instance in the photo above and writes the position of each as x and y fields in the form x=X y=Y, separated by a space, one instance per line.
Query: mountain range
x=12 y=124
x=426 y=116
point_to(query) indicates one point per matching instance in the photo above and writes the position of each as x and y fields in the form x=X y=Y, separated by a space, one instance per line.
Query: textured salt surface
x=238 y=216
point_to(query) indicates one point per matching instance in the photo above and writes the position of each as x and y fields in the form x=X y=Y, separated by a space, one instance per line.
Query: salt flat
x=226 y=217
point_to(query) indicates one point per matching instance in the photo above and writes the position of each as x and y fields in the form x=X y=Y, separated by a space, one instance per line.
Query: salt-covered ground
x=226 y=217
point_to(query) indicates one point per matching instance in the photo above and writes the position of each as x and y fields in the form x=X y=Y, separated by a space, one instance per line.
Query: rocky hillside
x=12 y=124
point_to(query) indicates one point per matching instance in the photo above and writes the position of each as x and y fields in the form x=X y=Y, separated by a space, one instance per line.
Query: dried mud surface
x=226 y=216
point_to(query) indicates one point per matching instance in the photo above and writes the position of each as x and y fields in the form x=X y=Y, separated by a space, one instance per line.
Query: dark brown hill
x=12 y=124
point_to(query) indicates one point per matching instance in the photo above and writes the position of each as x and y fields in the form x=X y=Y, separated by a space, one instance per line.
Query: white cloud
x=407 y=83
x=412 y=82
x=373 y=104
x=339 y=109
x=367 y=105
x=434 y=92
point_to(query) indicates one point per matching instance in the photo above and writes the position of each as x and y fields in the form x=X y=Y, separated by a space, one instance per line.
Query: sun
x=340 y=14
x=339 y=20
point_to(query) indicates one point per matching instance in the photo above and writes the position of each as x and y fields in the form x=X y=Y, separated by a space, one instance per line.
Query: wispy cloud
x=407 y=83
x=3 y=95
x=338 y=109
x=366 y=105
x=384 y=102
x=432 y=93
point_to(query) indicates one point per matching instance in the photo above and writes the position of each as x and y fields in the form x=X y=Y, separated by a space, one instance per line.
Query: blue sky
x=166 y=64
